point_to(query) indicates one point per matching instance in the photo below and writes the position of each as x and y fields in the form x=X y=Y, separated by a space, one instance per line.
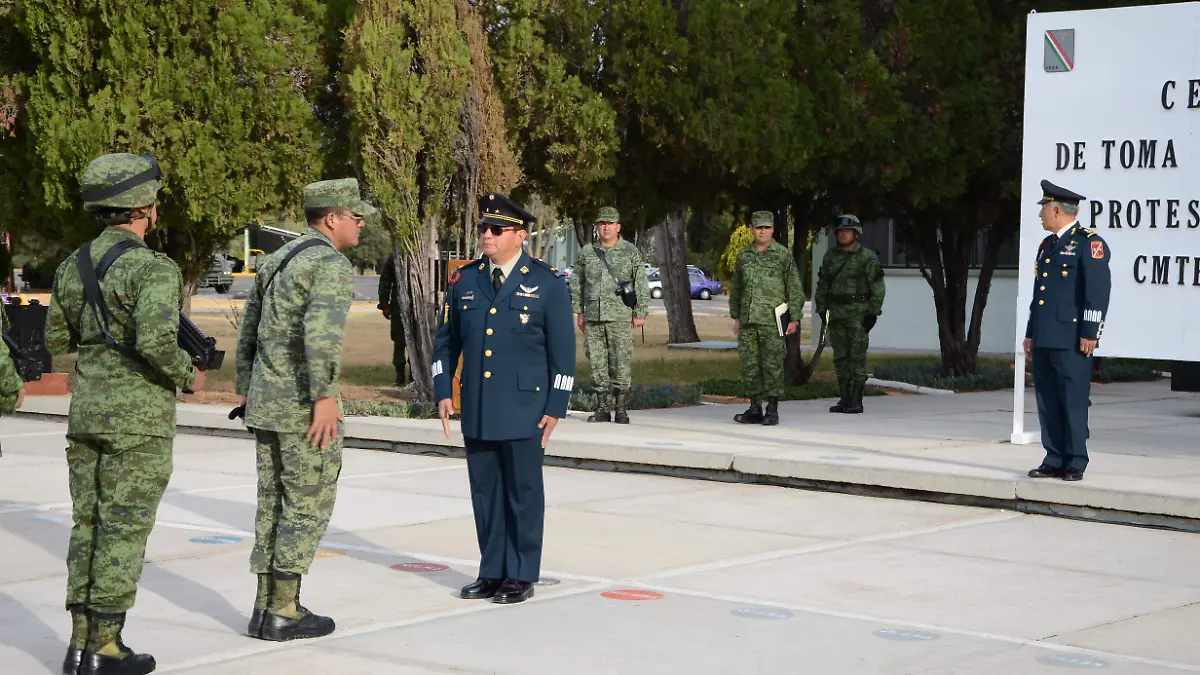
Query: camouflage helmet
x=848 y=221
x=121 y=181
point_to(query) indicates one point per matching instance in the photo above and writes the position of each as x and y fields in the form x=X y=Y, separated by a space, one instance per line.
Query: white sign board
x=1112 y=106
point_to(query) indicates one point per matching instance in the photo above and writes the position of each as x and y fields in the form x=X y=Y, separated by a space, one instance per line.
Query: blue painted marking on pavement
x=905 y=635
x=219 y=539
x=1073 y=661
x=765 y=613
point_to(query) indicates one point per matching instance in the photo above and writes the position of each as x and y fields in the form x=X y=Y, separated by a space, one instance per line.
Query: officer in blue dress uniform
x=1066 y=319
x=509 y=316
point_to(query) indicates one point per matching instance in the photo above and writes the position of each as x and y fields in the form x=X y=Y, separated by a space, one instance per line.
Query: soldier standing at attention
x=604 y=314
x=122 y=419
x=764 y=277
x=509 y=316
x=289 y=361
x=389 y=304
x=850 y=286
x=1071 y=287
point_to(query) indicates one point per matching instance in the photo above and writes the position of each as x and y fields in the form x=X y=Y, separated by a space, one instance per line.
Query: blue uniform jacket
x=517 y=347
x=1070 y=290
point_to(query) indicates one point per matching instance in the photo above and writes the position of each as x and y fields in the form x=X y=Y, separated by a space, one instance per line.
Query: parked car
x=701 y=286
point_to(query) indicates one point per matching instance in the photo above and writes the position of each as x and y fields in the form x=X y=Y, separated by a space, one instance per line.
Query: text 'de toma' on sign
x=1111 y=112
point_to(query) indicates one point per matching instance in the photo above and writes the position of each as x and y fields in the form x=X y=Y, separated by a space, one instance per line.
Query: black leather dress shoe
x=480 y=589
x=1072 y=475
x=71 y=662
x=513 y=591
x=1044 y=471
x=281 y=628
x=127 y=664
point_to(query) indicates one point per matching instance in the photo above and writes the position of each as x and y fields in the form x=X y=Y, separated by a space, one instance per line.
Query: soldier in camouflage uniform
x=850 y=286
x=122 y=418
x=764 y=277
x=389 y=305
x=12 y=389
x=289 y=361
x=607 y=322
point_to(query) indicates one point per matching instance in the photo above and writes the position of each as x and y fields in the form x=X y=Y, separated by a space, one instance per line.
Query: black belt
x=847 y=297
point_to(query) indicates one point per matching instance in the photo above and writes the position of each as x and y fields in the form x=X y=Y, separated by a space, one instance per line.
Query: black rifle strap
x=309 y=243
x=93 y=297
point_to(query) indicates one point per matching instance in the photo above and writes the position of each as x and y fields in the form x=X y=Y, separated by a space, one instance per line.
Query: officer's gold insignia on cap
x=524 y=269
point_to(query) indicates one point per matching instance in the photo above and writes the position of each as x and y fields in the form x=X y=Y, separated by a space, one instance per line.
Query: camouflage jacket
x=849 y=284
x=763 y=281
x=10 y=382
x=593 y=290
x=290 y=339
x=114 y=394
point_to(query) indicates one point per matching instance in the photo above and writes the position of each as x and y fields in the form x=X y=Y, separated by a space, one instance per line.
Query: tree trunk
x=672 y=265
x=416 y=289
x=796 y=370
x=583 y=229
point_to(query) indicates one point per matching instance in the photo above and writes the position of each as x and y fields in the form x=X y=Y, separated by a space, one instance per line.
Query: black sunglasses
x=495 y=229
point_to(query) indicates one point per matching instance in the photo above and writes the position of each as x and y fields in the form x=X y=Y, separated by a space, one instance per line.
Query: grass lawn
x=367 y=371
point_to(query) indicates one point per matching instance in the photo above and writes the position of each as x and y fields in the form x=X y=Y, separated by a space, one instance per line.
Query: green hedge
x=804 y=392
x=987 y=378
x=642 y=397
x=1128 y=370
x=413 y=411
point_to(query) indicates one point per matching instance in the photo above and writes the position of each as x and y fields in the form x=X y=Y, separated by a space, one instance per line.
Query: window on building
x=880 y=236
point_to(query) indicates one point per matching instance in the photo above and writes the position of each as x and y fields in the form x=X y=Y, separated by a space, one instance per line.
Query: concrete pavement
x=641 y=574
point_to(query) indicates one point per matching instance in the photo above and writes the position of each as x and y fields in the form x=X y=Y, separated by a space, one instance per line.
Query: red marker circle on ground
x=420 y=568
x=632 y=594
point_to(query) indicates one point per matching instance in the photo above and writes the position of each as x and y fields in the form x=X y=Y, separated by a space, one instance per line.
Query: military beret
x=608 y=214
x=341 y=193
x=496 y=209
x=121 y=180
x=1054 y=193
x=762 y=219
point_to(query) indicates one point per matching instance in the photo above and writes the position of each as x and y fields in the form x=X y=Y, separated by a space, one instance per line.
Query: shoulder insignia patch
x=454 y=277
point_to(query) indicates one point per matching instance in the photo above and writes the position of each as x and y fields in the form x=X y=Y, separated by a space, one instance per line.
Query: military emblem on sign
x=1060 y=51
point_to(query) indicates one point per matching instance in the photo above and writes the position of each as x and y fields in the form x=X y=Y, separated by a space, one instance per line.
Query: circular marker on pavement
x=328 y=553
x=631 y=594
x=905 y=635
x=420 y=567
x=1072 y=661
x=765 y=613
x=219 y=539
x=840 y=458
x=547 y=581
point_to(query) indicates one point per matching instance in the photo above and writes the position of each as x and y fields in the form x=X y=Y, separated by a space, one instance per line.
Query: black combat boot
x=603 y=406
x=753 y=414
x=622 y=402
x=844 y=401
x=772 y=416
x=262 y=600
x=856 y=403
x=286 y=618
x=106 y=654
x=79 y=632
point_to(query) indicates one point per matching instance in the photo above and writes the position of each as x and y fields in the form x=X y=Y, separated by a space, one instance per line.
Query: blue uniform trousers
x=509 y=501
x=1062 y=380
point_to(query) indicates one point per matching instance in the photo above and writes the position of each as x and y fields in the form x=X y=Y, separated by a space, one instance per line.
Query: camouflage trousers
x=761 y=352
x=849 y=341
x=117 y=483
x=398 y=359
x=609 y=349
x=297 y=487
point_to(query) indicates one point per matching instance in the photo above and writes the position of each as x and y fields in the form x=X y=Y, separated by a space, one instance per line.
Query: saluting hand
x=548 y=423
x=445 y=410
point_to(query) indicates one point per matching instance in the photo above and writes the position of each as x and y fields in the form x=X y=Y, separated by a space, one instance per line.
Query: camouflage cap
x=762 y=219
x=848 y=221
x=608 y=214
x=121 y=181
x=341 y=193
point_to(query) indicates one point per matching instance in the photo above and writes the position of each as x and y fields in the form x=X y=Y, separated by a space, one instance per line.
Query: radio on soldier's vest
x=202 y=349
